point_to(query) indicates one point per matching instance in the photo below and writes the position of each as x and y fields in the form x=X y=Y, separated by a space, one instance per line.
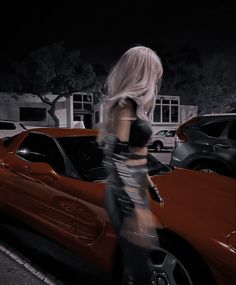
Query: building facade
x=30 y=110
x=80 y=108
x=168 y=113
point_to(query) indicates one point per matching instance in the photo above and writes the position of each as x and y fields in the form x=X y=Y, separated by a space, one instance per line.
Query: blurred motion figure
x=132 y=85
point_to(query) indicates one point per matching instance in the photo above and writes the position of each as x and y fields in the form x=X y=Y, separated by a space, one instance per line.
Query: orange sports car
x=54 y=180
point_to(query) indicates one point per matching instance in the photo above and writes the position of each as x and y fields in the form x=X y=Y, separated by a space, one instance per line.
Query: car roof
x=219 y=115
x=10 y=121
x=64 y=132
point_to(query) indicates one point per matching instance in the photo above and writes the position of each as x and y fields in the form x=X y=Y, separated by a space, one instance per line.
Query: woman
x=125 y=133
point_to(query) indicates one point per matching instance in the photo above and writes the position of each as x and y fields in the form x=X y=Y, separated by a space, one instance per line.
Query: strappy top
x=140 y=129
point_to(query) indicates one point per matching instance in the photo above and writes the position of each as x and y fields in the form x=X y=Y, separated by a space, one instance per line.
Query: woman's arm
x=121 y=121
x=154 y=192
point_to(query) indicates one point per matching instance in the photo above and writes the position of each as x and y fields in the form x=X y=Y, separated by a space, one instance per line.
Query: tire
x=174 y=263
x=177 y=263
x=210 y=168
x=157 y=146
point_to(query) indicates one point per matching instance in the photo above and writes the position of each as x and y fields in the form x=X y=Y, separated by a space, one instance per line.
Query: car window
x=232 y=131
x=84 y=154
x=213 y=129
x=7 y=126
x=161 y=133
x=87 y=158
x=170 y=134
x=41 y=148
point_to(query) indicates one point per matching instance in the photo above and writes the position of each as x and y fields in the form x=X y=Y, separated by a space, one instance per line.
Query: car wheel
x=176 y=262
x=157 y=146
x=166 y=268
x=209 y=168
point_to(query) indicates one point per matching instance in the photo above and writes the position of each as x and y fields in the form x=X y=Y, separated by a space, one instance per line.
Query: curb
x=26 y=264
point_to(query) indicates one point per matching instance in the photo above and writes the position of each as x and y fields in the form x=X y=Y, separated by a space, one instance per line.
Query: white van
x=162 y=139
x=10 y=128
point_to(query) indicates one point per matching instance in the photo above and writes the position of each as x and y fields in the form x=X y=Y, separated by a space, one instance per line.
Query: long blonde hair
x=135 y=75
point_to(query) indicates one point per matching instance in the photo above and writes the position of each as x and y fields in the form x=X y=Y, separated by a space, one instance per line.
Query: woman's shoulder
x=125 y=107
x=125 y=102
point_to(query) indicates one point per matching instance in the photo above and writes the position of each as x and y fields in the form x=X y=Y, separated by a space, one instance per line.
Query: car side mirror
x=42 y=168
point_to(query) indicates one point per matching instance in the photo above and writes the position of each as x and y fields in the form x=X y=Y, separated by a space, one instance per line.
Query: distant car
x=54 y=180
x=207 y=143
x=163 y=139
x=10 y=128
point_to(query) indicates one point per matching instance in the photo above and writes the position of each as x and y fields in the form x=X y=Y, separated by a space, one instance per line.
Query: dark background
x=188 y=33
x=103 y=31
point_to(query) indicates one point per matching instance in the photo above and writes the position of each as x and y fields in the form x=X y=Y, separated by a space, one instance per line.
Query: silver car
x=10 y=128
x=207 y=143
x=163 y=139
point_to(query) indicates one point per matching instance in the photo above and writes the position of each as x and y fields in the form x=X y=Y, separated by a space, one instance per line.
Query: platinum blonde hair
x=135 y=75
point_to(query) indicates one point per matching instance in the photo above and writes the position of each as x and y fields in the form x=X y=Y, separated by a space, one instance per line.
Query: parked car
x=162 y=139
x=54 y=180
x=10 y=128
x=207 y=143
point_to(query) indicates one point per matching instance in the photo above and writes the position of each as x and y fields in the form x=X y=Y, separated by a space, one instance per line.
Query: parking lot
x=163 y=156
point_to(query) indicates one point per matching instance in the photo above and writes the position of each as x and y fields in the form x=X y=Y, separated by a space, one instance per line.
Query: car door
x=54 y=207
x=170 y=138
x=86 y=158
x=226 y=147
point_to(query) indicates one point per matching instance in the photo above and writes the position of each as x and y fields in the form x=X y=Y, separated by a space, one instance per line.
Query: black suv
x=207 y=143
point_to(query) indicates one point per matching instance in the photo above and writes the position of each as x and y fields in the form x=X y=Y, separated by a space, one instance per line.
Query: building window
x=96 y=117
x=77 y=106
x=165 y=113
x=157 y=114
x=83 y=108
x=166 y=110
x=77 y=97
x=174 y=114
x=82 y=102
x=32 y=114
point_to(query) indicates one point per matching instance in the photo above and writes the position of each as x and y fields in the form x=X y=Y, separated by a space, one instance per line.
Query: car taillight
x=180 y=135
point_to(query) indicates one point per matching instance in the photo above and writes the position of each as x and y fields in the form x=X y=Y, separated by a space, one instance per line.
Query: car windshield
x=87 y=156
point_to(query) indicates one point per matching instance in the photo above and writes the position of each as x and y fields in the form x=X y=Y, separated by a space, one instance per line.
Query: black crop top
x=140 y=130
x=140 y=133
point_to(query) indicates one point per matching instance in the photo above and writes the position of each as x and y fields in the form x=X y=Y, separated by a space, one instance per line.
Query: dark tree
x=206 y=80
x=50 y=69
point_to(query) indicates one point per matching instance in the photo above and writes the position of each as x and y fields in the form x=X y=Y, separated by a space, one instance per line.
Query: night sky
x=104 y=31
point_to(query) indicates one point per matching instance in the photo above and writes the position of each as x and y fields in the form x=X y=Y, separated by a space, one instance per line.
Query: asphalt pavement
x=15 y=269
x=163 y=156
x=27 y=257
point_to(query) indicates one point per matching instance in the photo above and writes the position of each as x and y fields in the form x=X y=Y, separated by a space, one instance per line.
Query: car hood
x=197 y=200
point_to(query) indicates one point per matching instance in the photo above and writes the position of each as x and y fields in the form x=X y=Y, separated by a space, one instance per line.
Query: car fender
x=197 y=158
